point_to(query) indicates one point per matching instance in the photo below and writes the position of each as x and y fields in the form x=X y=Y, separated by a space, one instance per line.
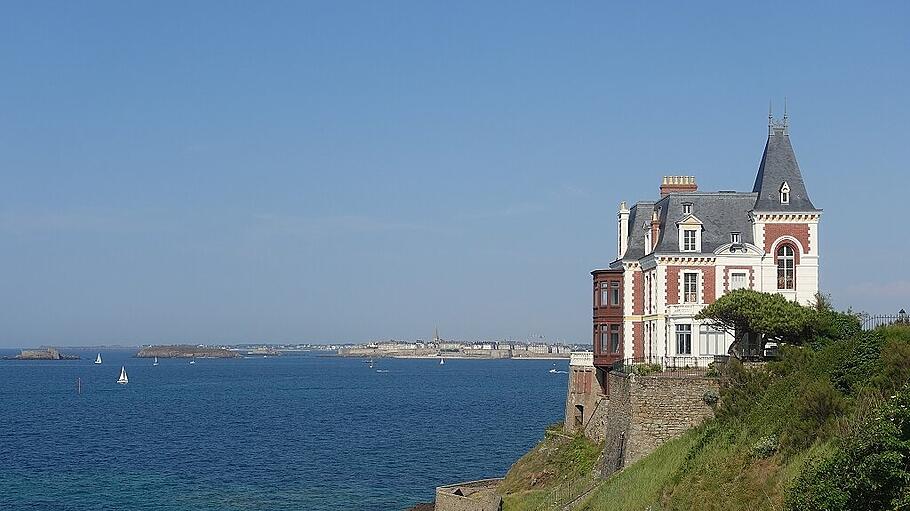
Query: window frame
x=615 y=295
x=786 y=267
x=694 y=240
x=615 y=330
x=604 y=338
x=687 y=294
x=604 y=294
x=683 y=338
x=741 y=273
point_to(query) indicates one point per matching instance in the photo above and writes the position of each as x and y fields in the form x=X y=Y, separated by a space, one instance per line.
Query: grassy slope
x=641 y=485
x=557 y=458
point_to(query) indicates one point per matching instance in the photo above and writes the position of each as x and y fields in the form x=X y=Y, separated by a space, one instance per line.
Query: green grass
x=640 y=485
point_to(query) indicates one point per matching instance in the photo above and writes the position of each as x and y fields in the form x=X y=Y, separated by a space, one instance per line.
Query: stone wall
x=633 y=415
x=639 y=413
x=469 y=496
x=585 y=391
x=663 y=408
x=616 y=424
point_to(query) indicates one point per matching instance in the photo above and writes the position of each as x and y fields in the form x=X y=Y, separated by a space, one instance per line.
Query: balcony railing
x=581 y=359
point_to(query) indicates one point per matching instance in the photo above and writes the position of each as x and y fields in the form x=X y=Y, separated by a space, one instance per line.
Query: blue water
x=307 y=432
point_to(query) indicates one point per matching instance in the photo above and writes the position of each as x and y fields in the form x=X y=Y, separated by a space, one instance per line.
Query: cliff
x=185 y=351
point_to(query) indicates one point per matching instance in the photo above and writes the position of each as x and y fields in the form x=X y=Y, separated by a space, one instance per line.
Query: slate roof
x=639 y=214
x=721 y=213
x=778 y=165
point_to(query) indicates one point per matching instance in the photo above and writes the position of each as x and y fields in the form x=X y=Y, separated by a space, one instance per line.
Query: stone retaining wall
x=636 y=414
x=469 y=496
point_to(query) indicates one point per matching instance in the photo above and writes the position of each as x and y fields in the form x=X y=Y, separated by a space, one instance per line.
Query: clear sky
x=341 y=171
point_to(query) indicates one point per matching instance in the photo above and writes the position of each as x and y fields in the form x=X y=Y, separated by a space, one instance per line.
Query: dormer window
x=687 y=208
x=734 y=237
x=689 y=234
x=785 y=193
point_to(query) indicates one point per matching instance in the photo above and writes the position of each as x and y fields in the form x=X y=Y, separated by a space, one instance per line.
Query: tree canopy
x=762 y=317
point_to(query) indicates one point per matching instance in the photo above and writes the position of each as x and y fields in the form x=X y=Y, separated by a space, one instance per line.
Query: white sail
x=442 y=361
x=156 y=361
x=123 y=379
x=98 y=359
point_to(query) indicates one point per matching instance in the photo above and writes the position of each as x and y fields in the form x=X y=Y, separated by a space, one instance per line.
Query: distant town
x=392 y=348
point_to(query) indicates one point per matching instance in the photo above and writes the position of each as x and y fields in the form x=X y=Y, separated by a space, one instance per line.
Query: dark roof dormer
x=779 y=171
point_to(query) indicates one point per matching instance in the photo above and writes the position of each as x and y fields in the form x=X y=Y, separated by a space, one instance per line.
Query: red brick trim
x=774 y=232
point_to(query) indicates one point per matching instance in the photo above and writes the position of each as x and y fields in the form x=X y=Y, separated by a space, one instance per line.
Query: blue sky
x=341 y=171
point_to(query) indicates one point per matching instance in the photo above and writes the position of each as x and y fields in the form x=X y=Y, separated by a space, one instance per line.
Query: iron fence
x=670 y=366
x=881 y=320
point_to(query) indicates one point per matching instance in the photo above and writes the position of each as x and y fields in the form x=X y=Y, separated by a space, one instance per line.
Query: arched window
x=786 y=264
x=785 y=193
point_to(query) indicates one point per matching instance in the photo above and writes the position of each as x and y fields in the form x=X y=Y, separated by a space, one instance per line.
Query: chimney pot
x=677 y=184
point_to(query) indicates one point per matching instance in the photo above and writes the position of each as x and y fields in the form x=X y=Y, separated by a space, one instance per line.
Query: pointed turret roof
x=778 y=166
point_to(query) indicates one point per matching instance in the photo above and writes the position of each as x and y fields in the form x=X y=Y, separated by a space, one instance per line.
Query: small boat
x=553 y=371
x=193 y=361
x=442 y=361
x=123 y=380
x=98 y=359
x=156 y=361
x=371 y=363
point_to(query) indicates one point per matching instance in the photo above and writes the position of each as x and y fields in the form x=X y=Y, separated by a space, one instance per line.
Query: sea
x=309 y=432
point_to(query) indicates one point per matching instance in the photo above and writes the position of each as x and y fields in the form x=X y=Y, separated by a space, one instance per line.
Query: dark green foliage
x=816 y=407
x=869 y=471
x=829 y=325
x=770 y=316
x=852 y=362
x=741 y=385
x=895 y=356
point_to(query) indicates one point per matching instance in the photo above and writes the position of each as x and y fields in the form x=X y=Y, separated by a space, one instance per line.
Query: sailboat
x=193 y=361
x=123 y=380
x=371 y=363
x=442 y=361
x=156 y=361
x=98 y=359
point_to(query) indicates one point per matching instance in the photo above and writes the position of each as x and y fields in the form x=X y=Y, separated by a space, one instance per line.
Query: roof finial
x=777 y=126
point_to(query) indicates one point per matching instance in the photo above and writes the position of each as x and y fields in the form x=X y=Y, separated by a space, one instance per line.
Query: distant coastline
x=185 y=351
x=492 y=350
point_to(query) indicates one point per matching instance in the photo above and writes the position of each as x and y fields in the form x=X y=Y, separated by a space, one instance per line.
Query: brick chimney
x=676 y=184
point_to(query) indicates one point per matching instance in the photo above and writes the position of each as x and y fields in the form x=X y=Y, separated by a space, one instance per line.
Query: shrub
x=869 y=471
x=817 y=405
x=710 y=397
x=742 y=388
x=765 y=447
x=645 y=369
